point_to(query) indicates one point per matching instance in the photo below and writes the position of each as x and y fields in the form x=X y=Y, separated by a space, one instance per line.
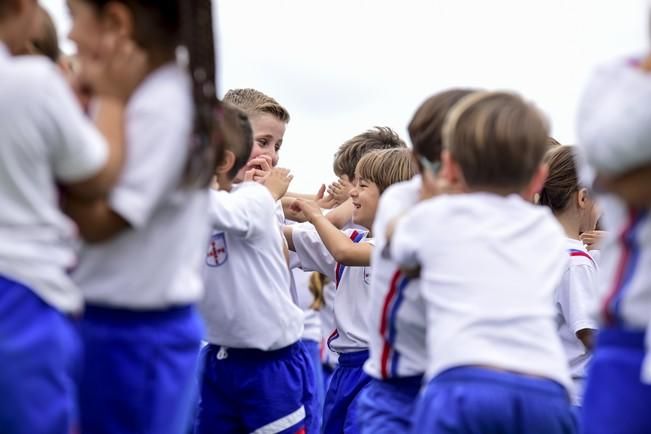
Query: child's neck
x=570 y=224
x=223 y=183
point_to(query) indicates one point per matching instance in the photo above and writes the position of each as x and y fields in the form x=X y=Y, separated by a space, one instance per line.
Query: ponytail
x=197 y=37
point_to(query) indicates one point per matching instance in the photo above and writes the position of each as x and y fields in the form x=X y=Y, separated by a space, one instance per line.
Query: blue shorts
x=387 y=406
x=470 y=400
x=246 y=390
x=348 y=380
x=313 y=353
x=139 y=370
x=615 y=400
x=39 y=364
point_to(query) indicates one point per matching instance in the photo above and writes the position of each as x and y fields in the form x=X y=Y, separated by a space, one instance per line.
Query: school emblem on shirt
x=217 y=251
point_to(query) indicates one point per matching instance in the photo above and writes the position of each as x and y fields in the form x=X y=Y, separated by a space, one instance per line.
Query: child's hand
x=308 y=208
x=325 y=202
x=592 y=239
x=340 y=190
x=117 y=69
x=258 y=168
x=277 y=181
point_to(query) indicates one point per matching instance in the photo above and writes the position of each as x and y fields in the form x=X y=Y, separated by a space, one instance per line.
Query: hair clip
x=428 y=165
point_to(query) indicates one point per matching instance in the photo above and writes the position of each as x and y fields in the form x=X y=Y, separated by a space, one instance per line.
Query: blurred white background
x=341 y=67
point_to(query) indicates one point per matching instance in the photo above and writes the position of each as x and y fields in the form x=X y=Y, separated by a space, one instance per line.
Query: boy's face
x=268 y=133
x=365 y=196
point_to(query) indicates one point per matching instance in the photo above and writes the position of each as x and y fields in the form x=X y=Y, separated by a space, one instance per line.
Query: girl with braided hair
x=140 y=329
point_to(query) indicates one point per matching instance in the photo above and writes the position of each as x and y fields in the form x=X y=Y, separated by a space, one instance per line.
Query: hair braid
x=206 y=146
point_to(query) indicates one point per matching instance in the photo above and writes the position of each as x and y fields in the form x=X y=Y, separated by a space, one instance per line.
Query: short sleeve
x=79 y=150
x=245 y=213
x=405 y=243
x=311 y=251
x=578 y=297
x=157 y=153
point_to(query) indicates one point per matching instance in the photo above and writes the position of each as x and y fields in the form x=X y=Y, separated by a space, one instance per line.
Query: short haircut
x=497 y=138
x=237 y=137
x=349 y=153
x=253 y=102
x=562 y=180
x=426 y=126
x=552 y=143
x=386 y=167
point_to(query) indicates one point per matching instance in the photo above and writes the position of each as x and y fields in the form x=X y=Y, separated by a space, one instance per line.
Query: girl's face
x=268 y=133
x=86 y=31
x=365 y=196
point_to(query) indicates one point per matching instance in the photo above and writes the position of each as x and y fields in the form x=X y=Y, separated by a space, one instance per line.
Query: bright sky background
x=343 y=66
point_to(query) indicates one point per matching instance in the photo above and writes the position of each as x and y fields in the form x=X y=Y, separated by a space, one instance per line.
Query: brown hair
x=562 y=180
x=349 y=154
x=386 y=167
x=497 y=139
x=316 y=286
x=426 y=126
x=160 y=26
x=46 y=42
x=237 y=137
x=253 y=102
x=552 y=142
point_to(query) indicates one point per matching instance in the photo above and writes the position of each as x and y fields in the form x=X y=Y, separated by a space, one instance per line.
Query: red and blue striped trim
x=334 y=335
x=626 y=267
x=390 y=356
x=581 y=253
x=355 y=237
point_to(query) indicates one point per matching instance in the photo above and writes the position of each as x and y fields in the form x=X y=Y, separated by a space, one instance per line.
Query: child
x=613 y=126
x=397 y=359
x=140 y=330
x=577 y=213
x=48 y=148
x=345 y=257
x=495 y=362
x=268 y=120
x=254 y=378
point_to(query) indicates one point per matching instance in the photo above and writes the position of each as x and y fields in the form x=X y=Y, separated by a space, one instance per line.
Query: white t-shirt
x=247 y=303
x=352 y=287
x=156 y=263
x=625 y=264
x=312 y=320
x=576 y=297
x=489 y=294
x=328 y=325
x=614 y=118
x=397 y=311
x=44 y=139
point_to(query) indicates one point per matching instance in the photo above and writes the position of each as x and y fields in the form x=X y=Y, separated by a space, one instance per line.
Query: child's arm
x=245 y=213
x=342 y=248
x=576 y=301
x=341 y=215
x=305 y=241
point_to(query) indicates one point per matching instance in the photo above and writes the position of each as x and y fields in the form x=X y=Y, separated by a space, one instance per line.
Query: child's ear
x=118 y=18
x=582 y=198
x=227 y=163
x=450 y=170
x=537 y=182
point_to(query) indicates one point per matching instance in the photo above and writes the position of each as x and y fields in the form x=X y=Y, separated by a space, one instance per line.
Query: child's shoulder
x=34 y=77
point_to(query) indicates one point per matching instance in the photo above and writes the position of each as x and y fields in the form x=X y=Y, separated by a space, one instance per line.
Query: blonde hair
x=253 y=102
x=497 y=138
x=316 y=285
x=386 y=167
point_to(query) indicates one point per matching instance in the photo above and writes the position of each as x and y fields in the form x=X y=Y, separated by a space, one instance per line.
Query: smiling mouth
x=356 y=205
